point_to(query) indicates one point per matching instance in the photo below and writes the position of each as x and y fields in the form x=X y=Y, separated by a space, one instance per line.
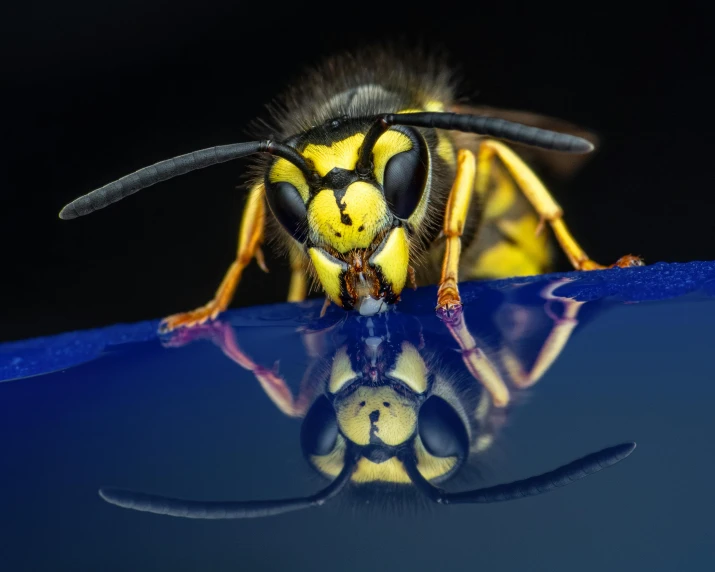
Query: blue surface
x=119 y=406
x=659 y=281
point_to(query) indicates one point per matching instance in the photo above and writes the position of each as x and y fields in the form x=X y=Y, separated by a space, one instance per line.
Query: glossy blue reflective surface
x=587 y=360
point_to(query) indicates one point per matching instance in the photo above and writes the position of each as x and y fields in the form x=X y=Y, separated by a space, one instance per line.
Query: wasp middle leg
x=460 y=196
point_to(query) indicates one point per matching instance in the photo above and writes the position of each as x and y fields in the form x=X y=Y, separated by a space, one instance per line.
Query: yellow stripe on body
x=506 y=214
x=525 y=254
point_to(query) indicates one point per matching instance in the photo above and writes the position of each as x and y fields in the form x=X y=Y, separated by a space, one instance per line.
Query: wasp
x=372 y=175
x=389 y=411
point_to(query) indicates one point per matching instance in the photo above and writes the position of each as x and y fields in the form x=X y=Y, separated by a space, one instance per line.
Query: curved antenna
x=479 y=124
x=225 y=509
x=537 y=485
x=180 y=165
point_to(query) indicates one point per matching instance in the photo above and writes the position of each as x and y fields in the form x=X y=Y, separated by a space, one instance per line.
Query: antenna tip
x=621 y=451
x=115 y=496
x=581 y=145
x=68 y=212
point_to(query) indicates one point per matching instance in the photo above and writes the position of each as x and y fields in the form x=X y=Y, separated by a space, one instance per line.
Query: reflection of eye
x=288 y=207
x=405 y=179
x=441 y=430
x=319 y=431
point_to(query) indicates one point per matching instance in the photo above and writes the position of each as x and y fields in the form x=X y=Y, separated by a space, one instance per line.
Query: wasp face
x=379 y=402
x=354 y=223
x=377 y=392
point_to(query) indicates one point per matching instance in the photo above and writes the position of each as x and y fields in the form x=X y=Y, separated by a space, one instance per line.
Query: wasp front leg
x=223 y=336
x=546 y=207
x=448 y=300
x=249 y=243
x=270 y=380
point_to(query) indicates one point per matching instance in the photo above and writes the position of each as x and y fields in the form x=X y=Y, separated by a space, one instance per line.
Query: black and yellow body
x=374 y=176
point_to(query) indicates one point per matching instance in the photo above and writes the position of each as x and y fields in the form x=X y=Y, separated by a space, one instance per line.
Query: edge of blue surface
x=659 y=281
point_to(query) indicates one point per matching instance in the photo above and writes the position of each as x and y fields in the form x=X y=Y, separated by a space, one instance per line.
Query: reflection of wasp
x=381 y=404
x=373 y=171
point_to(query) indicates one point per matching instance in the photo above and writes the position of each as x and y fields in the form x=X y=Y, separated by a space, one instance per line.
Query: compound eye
x=405 y=179
x=319 y=431
x=288 y=207
x=442 y=432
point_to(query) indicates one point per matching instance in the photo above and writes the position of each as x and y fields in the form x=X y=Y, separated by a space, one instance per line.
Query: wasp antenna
x=479 y=124
x=482 y=125
x=225 y=509
x=174 y=167
x=537 y=485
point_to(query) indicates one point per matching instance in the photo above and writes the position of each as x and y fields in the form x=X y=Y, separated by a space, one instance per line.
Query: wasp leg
x=298 y=289
x=249 y=242
x=223 y=336
x=545 y=205
x=272 y=383
x=490 y=421
x=557 y=339
x=448 y=300
x=477 y=362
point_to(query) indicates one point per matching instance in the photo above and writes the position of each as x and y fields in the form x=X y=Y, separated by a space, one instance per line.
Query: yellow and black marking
x=506 y=242
x=356 y=245
x=376 y=416
x=347 y=219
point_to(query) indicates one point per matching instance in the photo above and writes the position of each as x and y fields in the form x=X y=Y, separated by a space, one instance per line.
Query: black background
x=98 y=91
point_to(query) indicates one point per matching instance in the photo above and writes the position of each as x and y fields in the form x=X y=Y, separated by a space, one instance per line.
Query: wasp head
x=355 y=215
x=379 y=403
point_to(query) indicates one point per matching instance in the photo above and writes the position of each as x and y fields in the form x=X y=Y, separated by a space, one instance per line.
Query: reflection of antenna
x=227 y=509
x=560 y=477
